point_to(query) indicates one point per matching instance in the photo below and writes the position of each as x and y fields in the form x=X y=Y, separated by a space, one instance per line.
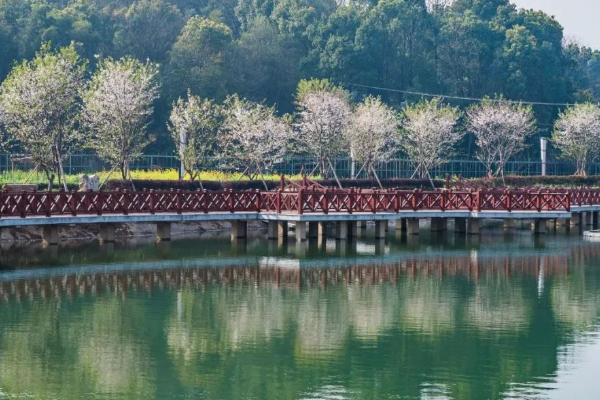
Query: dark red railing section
x=299 y=200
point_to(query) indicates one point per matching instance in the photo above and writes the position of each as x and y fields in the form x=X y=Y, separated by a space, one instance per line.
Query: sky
x=578 y=17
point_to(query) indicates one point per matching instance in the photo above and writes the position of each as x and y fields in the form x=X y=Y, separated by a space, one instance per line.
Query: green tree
x=198 y=59
x=148 y=30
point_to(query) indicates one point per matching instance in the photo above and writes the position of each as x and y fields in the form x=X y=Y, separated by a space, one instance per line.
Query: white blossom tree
x=371 y=134
x=194 y=125
x=253 y=137
x=322 y=120
x=577 y=134
x=501 y=129
x=118 y=107
x=40 y=102
x=429 y=134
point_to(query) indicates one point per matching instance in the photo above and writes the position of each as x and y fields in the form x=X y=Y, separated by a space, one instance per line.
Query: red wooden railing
x=315 y=200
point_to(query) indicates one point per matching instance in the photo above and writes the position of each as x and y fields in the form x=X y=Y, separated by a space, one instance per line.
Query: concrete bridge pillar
x=412 y=226
x=439 y=224
x=352 y=229
x=239 y=229
x=595 y=219
x=341 y=230
x=380 y=229
x=401 y=225
x=575 y=219
x=313 y=230
x=282 y=229
x=50 y=235
x=322 y=229
x=539 y=226
x=589 y=219
x=272 y=230
x=460 y=225
x=301 y=231
x=474 y=227
x=509 y=224
x=107 y=233
x=163 y=231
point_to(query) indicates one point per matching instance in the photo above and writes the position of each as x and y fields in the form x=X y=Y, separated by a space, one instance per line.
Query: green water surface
x=202 y=318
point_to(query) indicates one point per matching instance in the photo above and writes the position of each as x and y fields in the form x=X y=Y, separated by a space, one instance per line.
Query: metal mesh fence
x=394 y=169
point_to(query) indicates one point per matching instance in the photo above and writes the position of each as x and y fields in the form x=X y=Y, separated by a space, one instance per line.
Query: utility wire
x=534 y=103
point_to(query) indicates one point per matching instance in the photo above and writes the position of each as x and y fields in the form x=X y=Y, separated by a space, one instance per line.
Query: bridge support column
x=301 y=231
x=509 y=224
x=587 y=220
x=401 y=225
x=163 y=231
x=239 y=229
x=322 y=229
x=282 y=229
x=595 y=219
x=575 y=219
x=341 y=230
x=352 y=229
x=50 y=235
x=539 y=226
x=380 y=229
x=313 y=230
x=107 y=233
x=412 y=226
x=460 y=225
x=361 y=228
x=474 y=226
x=439 y=224
x=272 y=230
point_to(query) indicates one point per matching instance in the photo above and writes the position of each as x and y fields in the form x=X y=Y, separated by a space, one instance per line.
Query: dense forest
x=261 y=49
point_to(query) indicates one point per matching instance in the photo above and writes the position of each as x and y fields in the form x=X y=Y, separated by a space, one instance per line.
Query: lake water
x=502 y=316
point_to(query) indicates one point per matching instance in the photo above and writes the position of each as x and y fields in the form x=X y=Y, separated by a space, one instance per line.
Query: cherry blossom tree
x=429 y=134
x=118 y=107
x=40 y=102
x=194 y=125
x=501 y=129
x=322 y=121
x=577 y=134
x=253 y=137
x=371 y=133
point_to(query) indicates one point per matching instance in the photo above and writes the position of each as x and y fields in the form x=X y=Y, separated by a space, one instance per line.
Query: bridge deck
x=290 y=217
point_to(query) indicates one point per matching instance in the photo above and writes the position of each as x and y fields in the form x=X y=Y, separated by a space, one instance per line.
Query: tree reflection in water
x=454 y=326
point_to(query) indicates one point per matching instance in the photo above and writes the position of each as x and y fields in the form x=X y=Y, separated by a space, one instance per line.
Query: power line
x=443 y=96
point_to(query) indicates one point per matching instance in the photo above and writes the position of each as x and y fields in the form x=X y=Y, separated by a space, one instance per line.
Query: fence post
x=231 y=201
x=278 y=202
x=178 y=200
x=326 y=202
x=414 y=199
x=258 y=200
x=300 y=204
x=49 y=203
x=478 y=200
x=152 y=205
x=351 y=201
x=73 y=203
x=205 y=201
x=443 y=200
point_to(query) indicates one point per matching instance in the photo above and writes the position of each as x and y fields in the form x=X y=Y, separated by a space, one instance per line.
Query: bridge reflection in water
x=459 y=321
x=283 y=272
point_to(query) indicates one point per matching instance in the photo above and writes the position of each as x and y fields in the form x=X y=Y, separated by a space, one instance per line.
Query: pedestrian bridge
x=309 y=208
